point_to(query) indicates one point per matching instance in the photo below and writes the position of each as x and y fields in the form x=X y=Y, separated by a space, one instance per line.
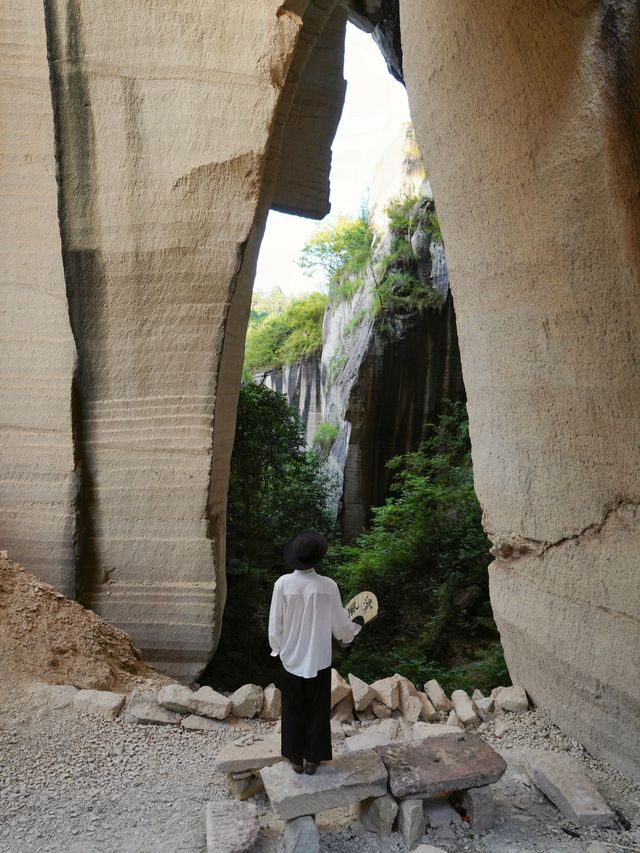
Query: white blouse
x=306 y=609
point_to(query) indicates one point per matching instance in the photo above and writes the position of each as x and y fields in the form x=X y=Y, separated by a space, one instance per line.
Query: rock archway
x=171 y=135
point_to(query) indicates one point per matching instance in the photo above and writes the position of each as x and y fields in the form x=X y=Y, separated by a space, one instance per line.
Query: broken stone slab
x=339 y=687
x=465 y=708
x=562 y=781
x=439 y=813
x=207 y=702
x=343 y=711
x=411 y=823
x=272 y=707
x=386 y=731
x=422 y=730
x=513 y=699
x=380 y=710
x=175 y=697
x=479 y=807
x=250 y=754
x=428 y=713
x=146 y=712
x=232 y=827
x=347 y=779
x=437 y=696
x=434 y=765
x=244 y=788
x=194 y=723
x=386 y=691
x=363 y=695
x=377 y=814
x=53 y=697
x=102 y=702
x=247 y=701
x=301 y=835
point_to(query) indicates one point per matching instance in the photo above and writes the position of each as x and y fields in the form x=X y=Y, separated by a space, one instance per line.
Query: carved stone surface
x=447 y=763
x=232 y=827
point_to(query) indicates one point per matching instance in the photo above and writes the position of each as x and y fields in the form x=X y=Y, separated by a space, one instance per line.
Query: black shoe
x=310 y=767
x=297 y=768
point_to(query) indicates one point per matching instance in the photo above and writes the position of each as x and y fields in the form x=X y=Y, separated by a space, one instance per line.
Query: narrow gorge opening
x=352 y=419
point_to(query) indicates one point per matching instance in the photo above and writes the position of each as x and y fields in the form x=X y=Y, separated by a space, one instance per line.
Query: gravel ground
x=75 y=783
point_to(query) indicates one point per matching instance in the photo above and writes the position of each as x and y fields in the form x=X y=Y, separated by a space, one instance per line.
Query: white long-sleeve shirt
x=306 y=610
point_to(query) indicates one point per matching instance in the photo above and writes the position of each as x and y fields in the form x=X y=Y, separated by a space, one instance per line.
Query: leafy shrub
x=324 y=436
x=425 y=544
x=342 y=251
x=286 y=337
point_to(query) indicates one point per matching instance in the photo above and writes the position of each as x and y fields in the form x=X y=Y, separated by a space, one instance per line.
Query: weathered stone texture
x=520 y=111
x=37 y=484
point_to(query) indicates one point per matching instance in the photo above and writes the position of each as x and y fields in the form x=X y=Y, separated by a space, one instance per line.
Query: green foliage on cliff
x=293 y=332
x=324 y=436
x=276 y=489
x=426 y=556
x=342 y=251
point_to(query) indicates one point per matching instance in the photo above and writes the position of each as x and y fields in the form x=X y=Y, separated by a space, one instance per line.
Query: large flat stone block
x=346 y=779
x=261 y=753
x=433 y=765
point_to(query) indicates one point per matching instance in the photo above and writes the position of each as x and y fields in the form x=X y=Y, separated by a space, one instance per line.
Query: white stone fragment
x=452 y=720
x=194 y=723
x=343 y=711
x=102 y=702
x=53 y=697
x=411 y=822
x=339 y=687
x=247 y=701
x=562 y=781
x=513 y=699
x=175 y=697
x=428 y=713
x=465 y=708
x=386 y=731
x=232 y=827
x=479 y=808
x=380 y=710
x=272 y=707
x=437 y=696
x=363 y=695
x=301 y=835
x=209 y=703
x=422 y=730
x=386 y=691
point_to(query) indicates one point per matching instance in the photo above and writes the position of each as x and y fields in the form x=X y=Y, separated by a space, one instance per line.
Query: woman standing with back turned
x=306 y=610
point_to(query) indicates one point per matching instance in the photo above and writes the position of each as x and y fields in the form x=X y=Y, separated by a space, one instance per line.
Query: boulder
x=251 y=753
x=247 y=701
x=301 y=835
x=232 y=827
x=513 y=699
x=343 y=711
x=339 y=688
x=53 y=697
x=386 y=691
x=386 y=731
x=272 y=707
x=175 y=697
x=454 y=762
x=380 y=710
x=102 y=702
x=428 y=713
x=465 y=708
x=411 y=823
x=349 y=778
x=479 y=807
x=437 y=696
x=377 y=814
x=209 y=703
x=363 y=695
x=562 y=781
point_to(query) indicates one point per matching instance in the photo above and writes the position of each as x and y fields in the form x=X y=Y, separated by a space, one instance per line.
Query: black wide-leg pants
x=306 y=723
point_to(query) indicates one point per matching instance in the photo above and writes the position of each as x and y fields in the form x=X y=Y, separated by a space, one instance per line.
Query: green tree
x=276 y=489
x=341 y=250
x=426 y=556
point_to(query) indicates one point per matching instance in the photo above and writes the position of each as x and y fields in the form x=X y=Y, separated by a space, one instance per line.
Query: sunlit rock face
x=527 y=116
x=168 y=128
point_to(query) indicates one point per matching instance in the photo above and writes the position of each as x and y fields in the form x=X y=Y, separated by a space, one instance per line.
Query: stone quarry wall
x=166 y=127
x=527 y=117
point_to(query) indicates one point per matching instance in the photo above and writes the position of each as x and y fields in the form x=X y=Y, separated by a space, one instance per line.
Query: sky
x=375 y=107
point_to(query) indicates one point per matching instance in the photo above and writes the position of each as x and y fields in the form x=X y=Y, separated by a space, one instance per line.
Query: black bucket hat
x=305 y=550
